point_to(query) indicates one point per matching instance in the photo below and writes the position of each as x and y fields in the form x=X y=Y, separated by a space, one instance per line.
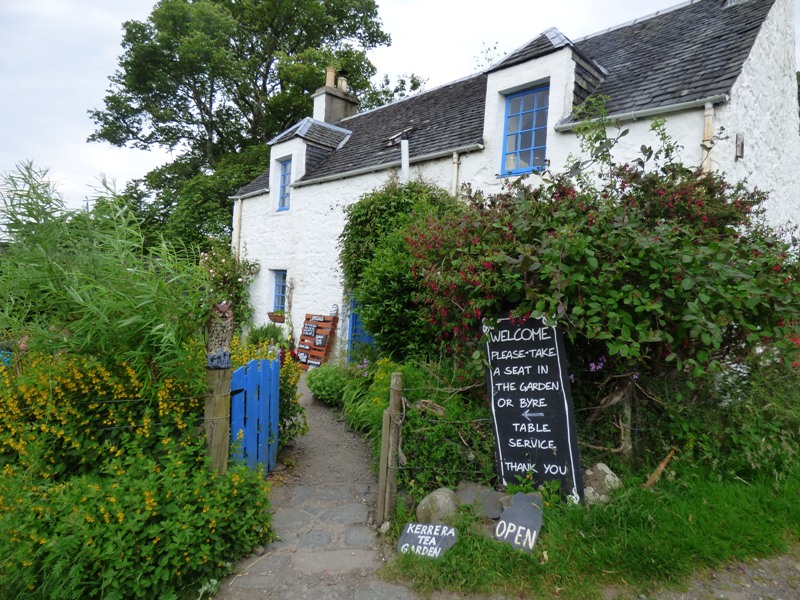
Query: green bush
x=262 y=334
x=146 y=525
x=327 y=383
x=379 y=213
x=446 y=443
x=750 y=425
x=385 y=296
x=446 y=436
x=655 y=272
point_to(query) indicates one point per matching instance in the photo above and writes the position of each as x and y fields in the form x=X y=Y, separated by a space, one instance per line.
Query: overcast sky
x=57 y=56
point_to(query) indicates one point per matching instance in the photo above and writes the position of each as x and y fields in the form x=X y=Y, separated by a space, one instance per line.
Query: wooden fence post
x=219 y=334
x=390 y=445
x=218 y=417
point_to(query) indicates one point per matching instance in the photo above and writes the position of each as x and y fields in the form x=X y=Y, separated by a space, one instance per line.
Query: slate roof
x=692 y=51
x=543 y=44
x=439 y=120
x=259 y=184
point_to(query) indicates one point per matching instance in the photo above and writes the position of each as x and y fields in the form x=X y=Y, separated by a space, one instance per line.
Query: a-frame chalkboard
x=531 y=403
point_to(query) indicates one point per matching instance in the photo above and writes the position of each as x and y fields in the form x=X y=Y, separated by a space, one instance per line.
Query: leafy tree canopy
x=212 y=79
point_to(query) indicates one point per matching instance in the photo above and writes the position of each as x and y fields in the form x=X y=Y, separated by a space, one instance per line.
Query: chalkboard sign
x=531 y=403
x=309 y=329
x=427 y=540
x=320 y=340
x=520 y=523
x=302 y=357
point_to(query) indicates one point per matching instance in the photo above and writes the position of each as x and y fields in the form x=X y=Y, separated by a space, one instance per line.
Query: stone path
x=324 y=518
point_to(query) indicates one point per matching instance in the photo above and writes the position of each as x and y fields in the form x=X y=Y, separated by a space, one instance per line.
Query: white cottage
x=703 y=65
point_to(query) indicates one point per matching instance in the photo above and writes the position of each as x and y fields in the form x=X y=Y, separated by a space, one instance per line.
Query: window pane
x=511 y=143
x=541 y=99
x=540 y=138
x=528 y=101
x=513 y=106
x=538 y=157
x=511 y=162
x=280 y=291
x=541 y=118
x=527 y=121
x=524 y=160
x=513 y=124
x=525 y=139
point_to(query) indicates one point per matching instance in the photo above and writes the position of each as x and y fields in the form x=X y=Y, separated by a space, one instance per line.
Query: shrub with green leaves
x=379 y=213
x=377 y=269
x=446 y=435
x=327 y=383
x=654 y=271
x=229 y=278
x=146 y=525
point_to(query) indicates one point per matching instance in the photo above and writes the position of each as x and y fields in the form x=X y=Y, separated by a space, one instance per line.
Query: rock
x=259 y=550
x=598 y=483
x=385 y=528
x=486 y=498
x=437 y=506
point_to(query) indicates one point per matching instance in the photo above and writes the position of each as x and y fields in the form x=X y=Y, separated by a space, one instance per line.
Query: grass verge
x=641 y=539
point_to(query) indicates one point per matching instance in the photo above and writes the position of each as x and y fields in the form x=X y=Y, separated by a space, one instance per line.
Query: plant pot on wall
x=277 y=317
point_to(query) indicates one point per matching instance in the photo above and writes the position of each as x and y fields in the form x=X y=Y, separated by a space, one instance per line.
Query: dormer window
x=525 y=139
x=285 y=182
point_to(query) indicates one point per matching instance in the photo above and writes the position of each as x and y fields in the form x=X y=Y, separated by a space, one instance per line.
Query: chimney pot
x=343 y=83
x=330 y=77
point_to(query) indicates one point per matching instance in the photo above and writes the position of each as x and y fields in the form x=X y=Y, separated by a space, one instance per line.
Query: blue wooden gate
x=255 y=391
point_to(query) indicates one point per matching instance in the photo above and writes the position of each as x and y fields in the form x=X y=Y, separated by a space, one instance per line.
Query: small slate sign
x=309 y=329
x=520 y=523
x=320 y=340
x=425 y=539
x=531 y=404
x=302 y=357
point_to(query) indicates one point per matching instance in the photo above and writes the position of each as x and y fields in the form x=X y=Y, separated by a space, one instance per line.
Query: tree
x=212 y=79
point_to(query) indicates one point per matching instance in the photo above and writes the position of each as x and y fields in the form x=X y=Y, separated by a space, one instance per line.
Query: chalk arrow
x=528 y=414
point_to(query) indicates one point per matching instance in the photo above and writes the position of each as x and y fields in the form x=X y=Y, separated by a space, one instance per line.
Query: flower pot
x=276 y=317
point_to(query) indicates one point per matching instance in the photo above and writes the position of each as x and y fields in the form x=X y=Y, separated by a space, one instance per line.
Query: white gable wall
x=557 y=70
x=763 y=107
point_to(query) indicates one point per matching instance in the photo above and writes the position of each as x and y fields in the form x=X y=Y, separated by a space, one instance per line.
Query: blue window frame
x=525 y=131
x=280 y=291
x=286 y=179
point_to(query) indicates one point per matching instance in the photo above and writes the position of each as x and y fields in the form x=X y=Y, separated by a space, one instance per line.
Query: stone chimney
x=334 y=102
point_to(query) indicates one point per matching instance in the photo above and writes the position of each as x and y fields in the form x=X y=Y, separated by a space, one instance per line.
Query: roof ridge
x=638 y=20
x=421 y=93
x=558 y=39
x=328 y=125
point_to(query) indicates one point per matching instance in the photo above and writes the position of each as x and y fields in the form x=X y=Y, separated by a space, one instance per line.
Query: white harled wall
x=764 y=109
